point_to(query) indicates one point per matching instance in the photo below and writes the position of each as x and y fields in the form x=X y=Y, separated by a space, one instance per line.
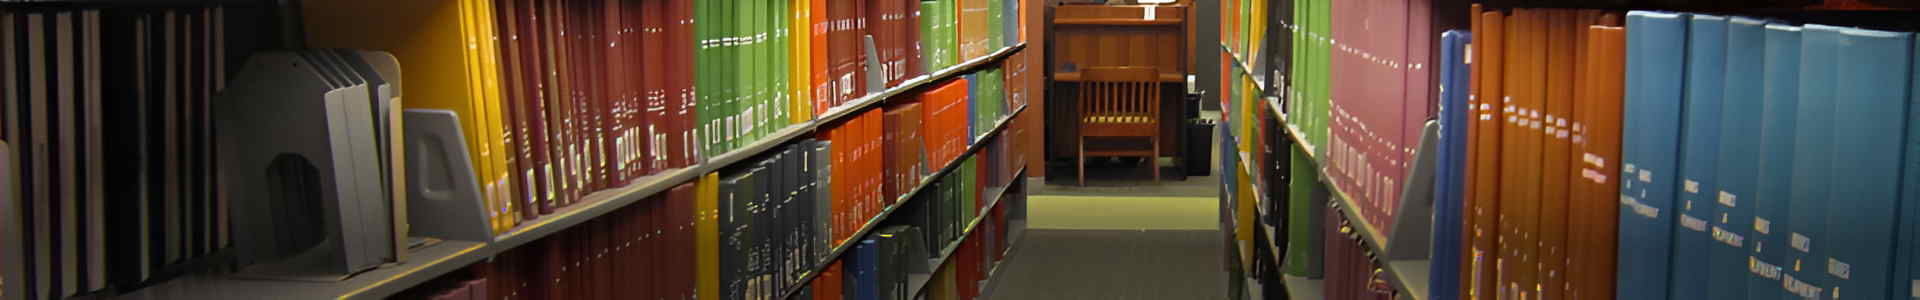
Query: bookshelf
x=841 y=249
x=428 y=263
x=606 y=201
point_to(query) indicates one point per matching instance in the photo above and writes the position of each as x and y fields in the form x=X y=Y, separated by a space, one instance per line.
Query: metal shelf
x=431 y=262
x=1239 y=61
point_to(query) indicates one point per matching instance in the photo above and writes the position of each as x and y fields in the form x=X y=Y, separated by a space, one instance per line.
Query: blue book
x=1869 y=123
x=1656 y=48
x=1812 y=156
x=866 y=270
x=1780 y=103
x=1450 y=176
x=1738 y=160
x=1011 y=31
x=1699 y=147
x=1907 y=260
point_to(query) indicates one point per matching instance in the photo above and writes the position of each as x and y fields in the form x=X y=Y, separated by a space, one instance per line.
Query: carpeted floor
x=1123 y=213
x=1113 y=264
x=1120 y=237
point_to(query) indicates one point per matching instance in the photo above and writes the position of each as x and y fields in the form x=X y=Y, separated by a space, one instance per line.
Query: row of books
x=758 y=228
x=1548 y=113
x=1349 y=265
x=750 y=232
x=109 y=179
x=1375 y=124
x=564 y=98
x=1726 y=139
x=1515 y=169
x=645 y=250
x=1786 y=150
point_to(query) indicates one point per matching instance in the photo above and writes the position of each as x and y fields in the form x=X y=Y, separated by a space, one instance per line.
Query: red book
x=841 y=52
x=828 y=285
x=612 y=90
x=858 y=33
x=821 y=82
x=886 y=170
x=601 y=229
x=683 y=64
x=912 y=41
x=680 y=211
x=874 y=162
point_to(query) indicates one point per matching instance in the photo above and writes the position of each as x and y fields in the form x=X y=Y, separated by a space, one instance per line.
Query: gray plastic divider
x=440 y=188
x=1413 y=222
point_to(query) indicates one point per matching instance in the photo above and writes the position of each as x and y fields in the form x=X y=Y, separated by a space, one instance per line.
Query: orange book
x=1490 y=59
x=1520 y=201
x=1467 y=239
x=828 y=285
x=1558 y=105
x=1592 y=235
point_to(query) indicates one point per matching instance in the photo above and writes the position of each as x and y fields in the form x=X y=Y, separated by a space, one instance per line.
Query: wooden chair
x=1120 y=102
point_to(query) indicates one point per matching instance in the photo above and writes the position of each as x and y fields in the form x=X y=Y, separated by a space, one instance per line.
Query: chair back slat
x=1119 y=95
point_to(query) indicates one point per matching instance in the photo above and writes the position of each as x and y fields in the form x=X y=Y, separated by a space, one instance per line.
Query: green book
x=744 y=71
x=782 y=52
x=702 y=74
x=1305 y=199
x=996 y=19
x=763 y=24
x=724 y=61
x=969 y=198
x=928 y=9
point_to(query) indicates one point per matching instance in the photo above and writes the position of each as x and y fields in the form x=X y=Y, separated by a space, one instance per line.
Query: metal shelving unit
x=431 y=262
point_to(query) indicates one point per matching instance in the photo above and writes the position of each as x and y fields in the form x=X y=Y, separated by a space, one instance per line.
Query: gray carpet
x=1114 y=264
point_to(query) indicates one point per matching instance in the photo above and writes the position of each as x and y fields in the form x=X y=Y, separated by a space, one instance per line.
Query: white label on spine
x=1148 y=10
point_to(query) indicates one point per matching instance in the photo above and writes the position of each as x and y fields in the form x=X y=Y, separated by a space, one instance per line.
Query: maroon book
x=914 y=55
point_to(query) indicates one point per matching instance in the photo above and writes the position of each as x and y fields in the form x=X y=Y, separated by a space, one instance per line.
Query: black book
x=734 y=247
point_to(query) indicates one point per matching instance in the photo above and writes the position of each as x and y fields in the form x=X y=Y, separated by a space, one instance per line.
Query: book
x=1812 y=162
x=1592 y=245
x=1450 y=179
x=1704 y=82
x=1871 y=90
x=1649 y=143
x=1773 y=180
x=1738 y=159
x=1485 y=183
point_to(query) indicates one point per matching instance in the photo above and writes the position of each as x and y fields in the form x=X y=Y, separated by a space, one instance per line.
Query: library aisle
x=1116 y=242
x=959 y=149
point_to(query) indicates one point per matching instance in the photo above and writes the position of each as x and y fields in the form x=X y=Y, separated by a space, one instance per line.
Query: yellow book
x=493 y=98
x=433 y=48
x=941 y=287
x=799 y=57
x=1244 y=232
x=474 y=38
x=706 y=236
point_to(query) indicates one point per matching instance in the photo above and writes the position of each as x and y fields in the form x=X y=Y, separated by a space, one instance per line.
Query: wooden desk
x=1090 y=35
x=1096 y=35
